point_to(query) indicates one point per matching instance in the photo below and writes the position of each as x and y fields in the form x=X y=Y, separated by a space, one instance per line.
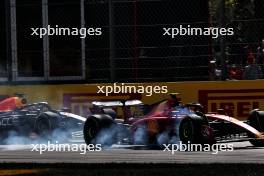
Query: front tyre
x=44 y=129
x=100 y=130
x=256 y=120
x=45 y=125
x=187 y=131
x=91 y=129
x=192 y=131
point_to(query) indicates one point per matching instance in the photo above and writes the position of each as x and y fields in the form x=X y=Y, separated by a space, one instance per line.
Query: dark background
x=131 y=48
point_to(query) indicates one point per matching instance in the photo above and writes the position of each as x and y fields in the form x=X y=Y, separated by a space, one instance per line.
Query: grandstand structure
x=132 y=47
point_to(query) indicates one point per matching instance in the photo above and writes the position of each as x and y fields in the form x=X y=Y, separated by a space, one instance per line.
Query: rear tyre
x=99 y=130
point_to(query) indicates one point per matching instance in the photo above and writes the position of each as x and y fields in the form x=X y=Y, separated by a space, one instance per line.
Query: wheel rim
x=187 y=131
x=92 y=132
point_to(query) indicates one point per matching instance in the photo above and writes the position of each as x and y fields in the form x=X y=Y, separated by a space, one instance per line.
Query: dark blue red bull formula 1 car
x=169 y=122
x=36 y=120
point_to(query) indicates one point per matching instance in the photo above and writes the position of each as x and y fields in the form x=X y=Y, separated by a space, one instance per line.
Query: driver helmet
x=173 y=100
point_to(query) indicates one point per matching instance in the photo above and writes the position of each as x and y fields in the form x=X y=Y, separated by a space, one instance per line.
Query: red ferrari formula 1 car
x=169 y=122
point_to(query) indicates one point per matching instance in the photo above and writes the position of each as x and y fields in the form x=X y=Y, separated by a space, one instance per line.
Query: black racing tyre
x=256 y=120
x=45 y=125
x=187 y=131
x=91 y=129
x=95 y=127
x=190 y=130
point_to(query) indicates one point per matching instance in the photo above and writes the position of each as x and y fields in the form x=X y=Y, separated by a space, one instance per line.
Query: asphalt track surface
x=243 y=152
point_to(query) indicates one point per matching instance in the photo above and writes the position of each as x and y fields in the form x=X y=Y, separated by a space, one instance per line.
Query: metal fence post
x=222 y=41
x=8 y=39
x=111 y=40
x=13 y=34
x=45 y=22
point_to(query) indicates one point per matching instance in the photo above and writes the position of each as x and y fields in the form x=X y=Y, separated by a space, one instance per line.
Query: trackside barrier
x=237 y=97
